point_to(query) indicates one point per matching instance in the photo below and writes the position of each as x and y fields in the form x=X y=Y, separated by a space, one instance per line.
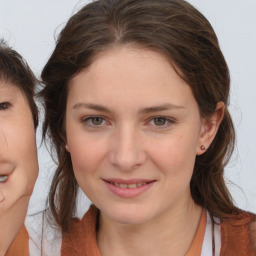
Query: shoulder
x=238 y=234
x=81 y=237
x=86 y=225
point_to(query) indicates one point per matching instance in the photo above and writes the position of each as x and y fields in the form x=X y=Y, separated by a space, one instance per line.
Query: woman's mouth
x=125 y=185
x=128 y=188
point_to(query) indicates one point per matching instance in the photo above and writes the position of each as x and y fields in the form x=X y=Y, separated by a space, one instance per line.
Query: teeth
x=3 y=178
x=132 y=186
x=135 y=185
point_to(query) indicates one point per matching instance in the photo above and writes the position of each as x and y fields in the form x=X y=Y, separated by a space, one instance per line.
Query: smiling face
x=18 y=153
x=133 y=131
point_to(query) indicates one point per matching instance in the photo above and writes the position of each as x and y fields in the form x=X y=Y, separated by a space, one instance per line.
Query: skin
x=147 y=126
x=18 y=158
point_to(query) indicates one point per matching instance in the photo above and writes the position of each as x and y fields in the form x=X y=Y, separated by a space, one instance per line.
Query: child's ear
x=209 y=128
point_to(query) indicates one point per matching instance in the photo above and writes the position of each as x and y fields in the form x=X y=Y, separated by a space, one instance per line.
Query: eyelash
x=4 y=106
x=167 y=121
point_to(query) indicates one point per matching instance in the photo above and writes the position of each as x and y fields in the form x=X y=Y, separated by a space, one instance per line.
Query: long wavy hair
x=173 y=28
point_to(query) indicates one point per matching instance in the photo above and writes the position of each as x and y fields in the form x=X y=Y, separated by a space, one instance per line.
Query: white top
x=207 y=243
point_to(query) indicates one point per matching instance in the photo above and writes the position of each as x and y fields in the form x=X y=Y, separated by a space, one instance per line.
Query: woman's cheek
x=87 y=155
x=82 y=161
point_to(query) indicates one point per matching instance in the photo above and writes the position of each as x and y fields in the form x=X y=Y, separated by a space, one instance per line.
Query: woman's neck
x=11 y=222
x=169 y=234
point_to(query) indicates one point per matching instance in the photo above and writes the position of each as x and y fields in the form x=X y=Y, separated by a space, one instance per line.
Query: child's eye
x=4 y=105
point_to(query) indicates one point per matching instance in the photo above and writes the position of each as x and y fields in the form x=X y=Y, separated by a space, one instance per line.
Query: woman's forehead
x=11 y=89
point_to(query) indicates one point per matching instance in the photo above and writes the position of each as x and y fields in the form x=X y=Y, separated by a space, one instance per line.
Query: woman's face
x=133 y=131
x=18 y=153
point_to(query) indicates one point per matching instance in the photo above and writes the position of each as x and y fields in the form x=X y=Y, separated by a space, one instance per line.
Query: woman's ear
x=66 y=147
x=209 y=128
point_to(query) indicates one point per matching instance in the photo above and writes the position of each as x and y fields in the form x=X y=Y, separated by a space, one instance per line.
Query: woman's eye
x=161 y=121
x=97 y=120
x=4 y=105
x=94 y=121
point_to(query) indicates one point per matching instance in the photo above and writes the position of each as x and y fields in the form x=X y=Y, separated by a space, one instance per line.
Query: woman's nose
x=126 y=149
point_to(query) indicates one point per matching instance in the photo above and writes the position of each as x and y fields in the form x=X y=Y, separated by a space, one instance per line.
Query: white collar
x=207 y=242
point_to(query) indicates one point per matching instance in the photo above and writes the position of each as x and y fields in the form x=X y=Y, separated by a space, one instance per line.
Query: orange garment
x=238 y=235
x=19 y=246
x=196 y=246
x=81 y=239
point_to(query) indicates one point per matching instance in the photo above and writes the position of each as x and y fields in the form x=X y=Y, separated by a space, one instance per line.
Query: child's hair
x=173 y=28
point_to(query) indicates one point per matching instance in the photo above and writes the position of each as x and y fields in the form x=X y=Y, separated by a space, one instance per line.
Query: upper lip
x=129 y=181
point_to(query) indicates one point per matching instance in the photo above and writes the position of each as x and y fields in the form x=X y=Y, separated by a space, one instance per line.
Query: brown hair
x=175 y=29
x=15 y=70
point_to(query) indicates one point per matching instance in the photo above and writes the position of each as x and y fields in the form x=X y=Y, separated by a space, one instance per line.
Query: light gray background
x=31 y=26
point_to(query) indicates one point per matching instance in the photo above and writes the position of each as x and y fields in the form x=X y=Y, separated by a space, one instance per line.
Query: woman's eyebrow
x=91 y=106
x=166 y=106
x=101 y=108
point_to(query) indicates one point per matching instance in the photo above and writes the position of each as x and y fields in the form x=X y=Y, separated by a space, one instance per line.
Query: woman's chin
x=127 y=215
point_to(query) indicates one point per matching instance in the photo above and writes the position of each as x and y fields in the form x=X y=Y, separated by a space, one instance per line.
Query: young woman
x=18 y=153
x=136 y=98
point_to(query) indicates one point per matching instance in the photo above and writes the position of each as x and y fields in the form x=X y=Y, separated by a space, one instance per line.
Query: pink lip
x=131 y=181
x=128 y=192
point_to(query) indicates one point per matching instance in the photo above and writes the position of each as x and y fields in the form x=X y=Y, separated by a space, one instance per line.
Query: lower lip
x=128 y=192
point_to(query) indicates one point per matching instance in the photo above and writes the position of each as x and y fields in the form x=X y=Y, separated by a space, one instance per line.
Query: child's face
x=18 y=153
x=133 y=131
